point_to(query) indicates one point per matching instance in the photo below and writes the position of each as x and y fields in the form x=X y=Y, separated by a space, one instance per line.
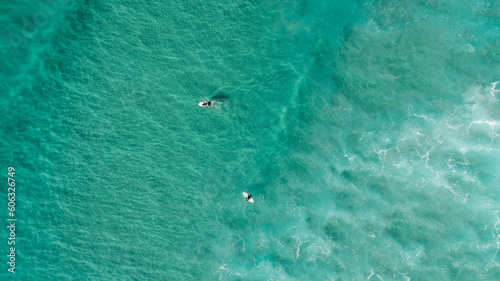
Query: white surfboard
x=206 y=103
x=246 y=196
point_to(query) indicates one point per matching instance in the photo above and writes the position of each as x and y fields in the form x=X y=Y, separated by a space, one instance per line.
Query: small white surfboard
x=246 y=196
x=206 y=103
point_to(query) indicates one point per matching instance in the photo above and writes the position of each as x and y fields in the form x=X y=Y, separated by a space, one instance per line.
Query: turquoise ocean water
x=368 y=133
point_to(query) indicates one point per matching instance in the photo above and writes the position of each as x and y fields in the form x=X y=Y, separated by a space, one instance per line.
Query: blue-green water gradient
x=368 y=133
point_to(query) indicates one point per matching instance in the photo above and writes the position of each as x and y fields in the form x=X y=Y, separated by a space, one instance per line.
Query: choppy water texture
x=367 y=131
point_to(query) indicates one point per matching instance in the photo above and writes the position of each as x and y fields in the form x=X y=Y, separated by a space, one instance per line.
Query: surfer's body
x=206 y=103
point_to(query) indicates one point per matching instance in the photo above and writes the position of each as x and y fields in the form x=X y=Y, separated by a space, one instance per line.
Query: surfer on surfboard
x=207 y=103
x=248 y=197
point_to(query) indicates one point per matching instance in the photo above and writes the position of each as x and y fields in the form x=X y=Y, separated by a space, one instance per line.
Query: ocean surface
x=368 y=133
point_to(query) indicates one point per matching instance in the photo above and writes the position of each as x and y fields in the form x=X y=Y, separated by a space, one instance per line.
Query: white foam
x=374 y=274
x=493 y=90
